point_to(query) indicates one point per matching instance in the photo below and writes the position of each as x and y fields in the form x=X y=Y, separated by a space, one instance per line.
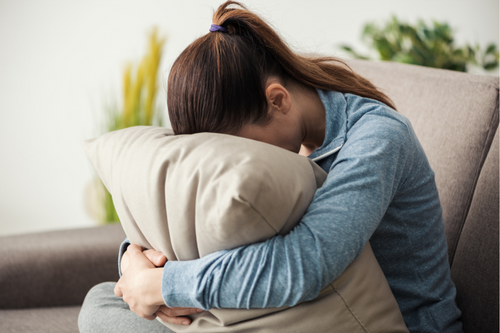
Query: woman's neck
x=313 y=119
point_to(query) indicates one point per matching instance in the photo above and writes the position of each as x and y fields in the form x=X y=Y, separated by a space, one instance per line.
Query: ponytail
x=217 y=84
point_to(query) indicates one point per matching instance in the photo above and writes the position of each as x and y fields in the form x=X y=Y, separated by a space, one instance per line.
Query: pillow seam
x=251 y=206
x=349 y=308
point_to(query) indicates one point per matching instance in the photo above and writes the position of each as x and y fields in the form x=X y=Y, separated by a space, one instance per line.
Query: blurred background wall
x=62 y=60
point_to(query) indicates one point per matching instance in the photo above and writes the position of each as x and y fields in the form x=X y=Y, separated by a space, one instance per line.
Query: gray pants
x=103 y=312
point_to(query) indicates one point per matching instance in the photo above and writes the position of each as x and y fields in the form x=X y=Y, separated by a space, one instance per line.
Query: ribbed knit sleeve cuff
x=123 y=247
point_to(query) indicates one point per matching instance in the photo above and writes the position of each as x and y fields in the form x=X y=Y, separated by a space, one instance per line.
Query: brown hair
x=217 y=84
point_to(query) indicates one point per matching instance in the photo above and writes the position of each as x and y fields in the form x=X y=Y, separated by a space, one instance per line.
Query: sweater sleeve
x=286 y=270
x=123 y=247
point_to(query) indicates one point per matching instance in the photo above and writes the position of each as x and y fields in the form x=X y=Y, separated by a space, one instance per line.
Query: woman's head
x=218 y=83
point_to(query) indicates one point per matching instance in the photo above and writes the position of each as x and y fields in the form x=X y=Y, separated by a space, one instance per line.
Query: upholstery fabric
x=455 y=115
x=56 y=268
x=40 y=320
x=190 y=195
x=475 y=267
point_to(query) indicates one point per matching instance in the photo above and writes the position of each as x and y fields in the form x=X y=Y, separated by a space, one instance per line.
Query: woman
x=241 y=79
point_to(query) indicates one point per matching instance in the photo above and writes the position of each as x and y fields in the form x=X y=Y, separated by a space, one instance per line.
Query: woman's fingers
x=174 y=315
x=176 y=312
x=174 y=320
x=156 y=257
x=124 y=262
x=141 y=311
x=134 y=249
x=137 y=257
x=118 y=290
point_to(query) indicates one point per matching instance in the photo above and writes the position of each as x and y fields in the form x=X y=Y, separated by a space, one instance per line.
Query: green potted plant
x=137 y=107
x=425 y=45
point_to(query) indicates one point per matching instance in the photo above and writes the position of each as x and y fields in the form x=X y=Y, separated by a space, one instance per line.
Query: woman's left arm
x=286 y=270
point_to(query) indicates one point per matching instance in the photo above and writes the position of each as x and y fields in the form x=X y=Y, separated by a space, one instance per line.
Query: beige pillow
x=191 y=195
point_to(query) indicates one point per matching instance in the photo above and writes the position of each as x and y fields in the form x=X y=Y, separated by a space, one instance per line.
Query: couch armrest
x=56 y=268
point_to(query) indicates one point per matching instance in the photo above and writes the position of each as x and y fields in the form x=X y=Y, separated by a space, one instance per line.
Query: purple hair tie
x=215 y=27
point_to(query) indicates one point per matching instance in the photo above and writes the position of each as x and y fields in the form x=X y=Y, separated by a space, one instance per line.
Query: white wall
x=61 y=59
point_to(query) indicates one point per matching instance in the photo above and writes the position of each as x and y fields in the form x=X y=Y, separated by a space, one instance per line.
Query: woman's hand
x=158 y=259
x=140 y=284
x=174 y=315
x=155 y=257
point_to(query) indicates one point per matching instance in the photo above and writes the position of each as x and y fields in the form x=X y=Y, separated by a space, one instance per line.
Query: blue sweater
x=380 y=188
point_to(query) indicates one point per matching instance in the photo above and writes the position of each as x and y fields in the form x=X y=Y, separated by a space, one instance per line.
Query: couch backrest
x=56 y=268
x=475 y=266
x=455 y=116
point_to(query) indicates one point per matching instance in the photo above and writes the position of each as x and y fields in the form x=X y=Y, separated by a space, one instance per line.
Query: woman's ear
x=278 y=98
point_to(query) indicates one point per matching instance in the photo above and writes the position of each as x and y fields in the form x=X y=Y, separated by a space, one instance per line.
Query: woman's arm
x=341 y=219
x=287 y=270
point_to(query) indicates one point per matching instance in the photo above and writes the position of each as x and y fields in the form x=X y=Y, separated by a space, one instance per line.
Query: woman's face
x=298 y=118
x=278 y=133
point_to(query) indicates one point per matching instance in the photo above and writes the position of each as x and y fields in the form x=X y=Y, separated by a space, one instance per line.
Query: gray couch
x=45 y=276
